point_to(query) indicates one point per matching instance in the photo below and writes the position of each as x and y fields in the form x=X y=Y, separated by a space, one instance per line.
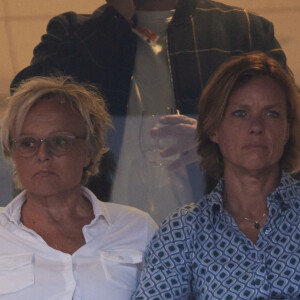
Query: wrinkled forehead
x=52 y=104
x=259 y=84
x=53 y=112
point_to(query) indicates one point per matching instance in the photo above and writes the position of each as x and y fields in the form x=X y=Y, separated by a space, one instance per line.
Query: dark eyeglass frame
x=56 y=150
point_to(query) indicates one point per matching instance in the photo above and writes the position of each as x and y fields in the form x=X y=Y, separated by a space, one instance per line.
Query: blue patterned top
x=200 y=253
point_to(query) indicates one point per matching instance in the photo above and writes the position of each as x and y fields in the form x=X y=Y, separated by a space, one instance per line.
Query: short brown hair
x=82 y=97
x=214 y=99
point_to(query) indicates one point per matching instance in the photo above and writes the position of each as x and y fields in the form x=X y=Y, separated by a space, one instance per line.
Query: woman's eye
x=59 y=141
x=272 y=114
x=239 y=113
x=28 y=142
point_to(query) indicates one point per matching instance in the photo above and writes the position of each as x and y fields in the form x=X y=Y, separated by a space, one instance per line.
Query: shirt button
x=267 y=231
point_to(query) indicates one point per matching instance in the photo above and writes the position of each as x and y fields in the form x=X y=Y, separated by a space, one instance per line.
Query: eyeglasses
x=59 y=145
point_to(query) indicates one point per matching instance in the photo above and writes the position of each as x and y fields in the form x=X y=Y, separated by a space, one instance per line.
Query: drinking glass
x=151 y=147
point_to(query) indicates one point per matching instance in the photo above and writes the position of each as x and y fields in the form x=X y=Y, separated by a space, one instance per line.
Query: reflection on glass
x=151 y=147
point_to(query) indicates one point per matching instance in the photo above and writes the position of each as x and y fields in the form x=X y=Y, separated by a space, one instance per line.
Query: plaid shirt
x=100 y=48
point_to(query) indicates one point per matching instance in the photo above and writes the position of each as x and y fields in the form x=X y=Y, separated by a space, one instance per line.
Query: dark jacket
x=101 y=48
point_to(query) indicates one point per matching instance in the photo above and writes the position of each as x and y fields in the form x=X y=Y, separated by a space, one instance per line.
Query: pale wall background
x=22 y=22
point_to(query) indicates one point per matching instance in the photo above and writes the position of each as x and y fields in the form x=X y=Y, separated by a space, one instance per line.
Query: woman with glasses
x=58 y=241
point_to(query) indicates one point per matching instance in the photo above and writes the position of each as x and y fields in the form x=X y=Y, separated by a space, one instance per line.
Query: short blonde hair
x=214 y=99
x=82 y=97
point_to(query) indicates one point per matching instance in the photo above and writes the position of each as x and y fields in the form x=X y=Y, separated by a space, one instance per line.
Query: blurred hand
x=125 y=7
x=183 y=130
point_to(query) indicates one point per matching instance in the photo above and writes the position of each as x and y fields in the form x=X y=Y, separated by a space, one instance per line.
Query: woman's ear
x=89 y=155
x=214 y=137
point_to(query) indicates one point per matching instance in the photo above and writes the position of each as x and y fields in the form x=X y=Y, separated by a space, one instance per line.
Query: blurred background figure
x=58 y=241
x=241 y=240
x=151 y=61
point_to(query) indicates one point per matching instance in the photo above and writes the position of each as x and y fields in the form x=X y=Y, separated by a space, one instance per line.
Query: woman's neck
x=246 y=193
x=58 y=219
x=62 y=206
x=245 y=198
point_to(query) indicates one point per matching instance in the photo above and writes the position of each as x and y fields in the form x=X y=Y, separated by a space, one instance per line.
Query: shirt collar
x=216 y=197
x=12 y=211
x=184 y=9
x=99 y=207
x=285 y=191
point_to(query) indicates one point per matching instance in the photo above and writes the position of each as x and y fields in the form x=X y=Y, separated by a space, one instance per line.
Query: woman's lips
x=44 y=173
x=255 y=146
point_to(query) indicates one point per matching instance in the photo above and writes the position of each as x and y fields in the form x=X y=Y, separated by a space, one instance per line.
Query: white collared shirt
x=106 y=267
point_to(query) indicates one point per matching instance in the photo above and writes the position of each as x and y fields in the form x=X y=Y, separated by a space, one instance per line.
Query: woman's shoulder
x=194 y=215
x=289 y=187
x=118 y=214
x=124 y=211
x=129 y=216
x=127 y=221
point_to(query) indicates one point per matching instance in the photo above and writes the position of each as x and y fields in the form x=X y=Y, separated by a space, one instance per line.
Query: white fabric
x=106 y=267
x=138 y=183
x=151 y=73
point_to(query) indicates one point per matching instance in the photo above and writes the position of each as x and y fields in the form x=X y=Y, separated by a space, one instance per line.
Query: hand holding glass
x=152 y=147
